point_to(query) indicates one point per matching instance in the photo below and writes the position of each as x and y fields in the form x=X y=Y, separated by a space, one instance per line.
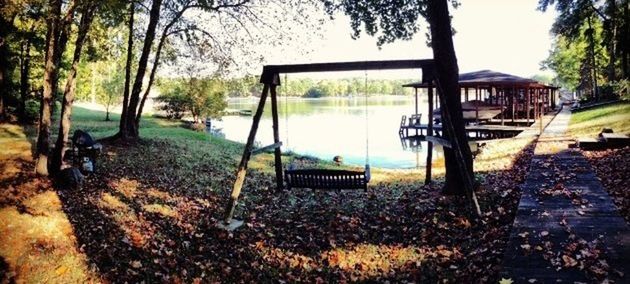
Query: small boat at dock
x=475 y=110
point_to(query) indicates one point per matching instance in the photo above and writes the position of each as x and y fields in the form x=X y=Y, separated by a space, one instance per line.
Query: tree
x=58 y=27
x=208 y=98
x=377 y=17
x=123 y=131
x=110 y=94
x=128 y=116
x=28 y=38
x=5 y=29
x=133 y=105
x=572 y=58
x=173 y=100
x=574 y=14
x=87 y=11
x=229 y=27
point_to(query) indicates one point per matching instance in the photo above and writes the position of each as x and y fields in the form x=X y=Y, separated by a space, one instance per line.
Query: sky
x=505 y=36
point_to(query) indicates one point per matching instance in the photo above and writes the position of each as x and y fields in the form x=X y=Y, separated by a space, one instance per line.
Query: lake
x=327 y=127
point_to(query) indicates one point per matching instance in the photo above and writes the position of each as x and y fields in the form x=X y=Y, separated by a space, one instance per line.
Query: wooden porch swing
x=307 y=178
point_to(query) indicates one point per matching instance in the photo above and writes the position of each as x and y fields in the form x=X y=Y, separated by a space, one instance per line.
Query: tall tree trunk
x=165 y=33
x=50 y=74
x=3 y=91
x=134 y=97
x=624 y=38
x=448 y=73
x=4 y=63
x=57 y=37
x=69 y=91
x=591 y=42
x=25 y=68
x=612 y=24
x=122 y=132
x=156 y=61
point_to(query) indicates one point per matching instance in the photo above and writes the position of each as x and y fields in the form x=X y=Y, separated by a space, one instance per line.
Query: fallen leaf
x=61 y=270
x=569 y=261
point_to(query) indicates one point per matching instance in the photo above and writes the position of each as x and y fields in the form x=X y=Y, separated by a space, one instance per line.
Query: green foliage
x=315 y=92
x=543 y=78
x=616 y=90
x=570 y=59
x=113 y=88
x=565 y=59
x=621 y=89
x=174 y=101
x=389 y=20
x=585 y=29
x=31 y=110
x=199 y=97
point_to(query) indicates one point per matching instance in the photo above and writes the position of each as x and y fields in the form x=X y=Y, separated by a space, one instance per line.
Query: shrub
x=31 y=111
x=174 y=103
x=199 y=97
x=621 y=88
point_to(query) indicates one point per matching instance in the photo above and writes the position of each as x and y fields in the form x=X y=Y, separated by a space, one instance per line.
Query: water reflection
x=328 y=127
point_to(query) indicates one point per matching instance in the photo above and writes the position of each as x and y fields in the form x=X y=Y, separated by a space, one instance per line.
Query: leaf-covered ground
x=150 y=214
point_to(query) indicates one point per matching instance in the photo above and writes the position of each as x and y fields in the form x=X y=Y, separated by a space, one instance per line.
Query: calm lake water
x=327 y=127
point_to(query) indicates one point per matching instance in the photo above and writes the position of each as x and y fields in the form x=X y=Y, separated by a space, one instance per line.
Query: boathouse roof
x=488 y=78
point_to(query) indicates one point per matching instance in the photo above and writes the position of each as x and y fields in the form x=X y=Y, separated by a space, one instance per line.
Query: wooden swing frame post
x=242 y=166
x=271 y=79
x=277 y=153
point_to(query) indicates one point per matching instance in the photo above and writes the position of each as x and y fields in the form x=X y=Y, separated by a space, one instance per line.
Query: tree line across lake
x=205 y=97
x=307 y=87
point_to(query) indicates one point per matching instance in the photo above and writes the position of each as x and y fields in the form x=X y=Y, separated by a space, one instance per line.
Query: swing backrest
x=325 y=179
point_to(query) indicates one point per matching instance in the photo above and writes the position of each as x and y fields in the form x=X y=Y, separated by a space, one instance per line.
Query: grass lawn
x=149 y=214
x=589 y=123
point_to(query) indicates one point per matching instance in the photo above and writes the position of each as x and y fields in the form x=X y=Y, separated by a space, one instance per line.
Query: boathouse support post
x=276 y=137
x=502 y=92
x=427 y=179
x=242 y=167
x=478 y=98
x=513 y=102
x=527 y=103
x=536 y=103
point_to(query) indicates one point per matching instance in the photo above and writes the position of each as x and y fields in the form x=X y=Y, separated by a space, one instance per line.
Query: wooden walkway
x=566 y=228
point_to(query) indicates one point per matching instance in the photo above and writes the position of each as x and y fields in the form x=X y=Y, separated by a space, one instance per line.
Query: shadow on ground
x=133 y=225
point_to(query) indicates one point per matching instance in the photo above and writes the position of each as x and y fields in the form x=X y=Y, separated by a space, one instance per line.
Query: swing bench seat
x=326 y=179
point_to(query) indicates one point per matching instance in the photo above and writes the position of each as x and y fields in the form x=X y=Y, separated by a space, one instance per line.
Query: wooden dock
x=474 y=131
x=511 y=122
x=566 y=227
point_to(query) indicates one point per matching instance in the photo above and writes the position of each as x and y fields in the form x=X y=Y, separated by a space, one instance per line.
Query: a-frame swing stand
x=270 y=79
